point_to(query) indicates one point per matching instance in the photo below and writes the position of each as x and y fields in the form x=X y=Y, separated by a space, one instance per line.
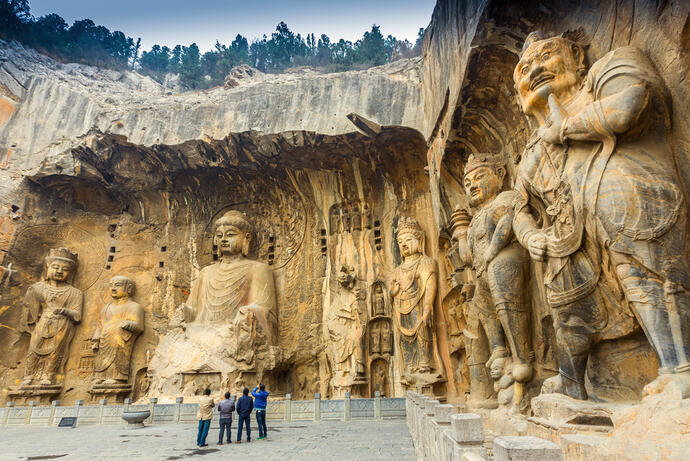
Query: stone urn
x=135 y=419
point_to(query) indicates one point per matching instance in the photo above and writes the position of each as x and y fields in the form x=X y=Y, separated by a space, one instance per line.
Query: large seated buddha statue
x=228 y=326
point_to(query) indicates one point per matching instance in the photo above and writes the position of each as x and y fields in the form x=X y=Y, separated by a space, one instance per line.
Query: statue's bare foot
x=558 y=385
x=679 y=382
x=46 y=382
x=26 y=381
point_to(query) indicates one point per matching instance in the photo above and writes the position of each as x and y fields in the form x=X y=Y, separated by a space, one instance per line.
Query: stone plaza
x=325 y=440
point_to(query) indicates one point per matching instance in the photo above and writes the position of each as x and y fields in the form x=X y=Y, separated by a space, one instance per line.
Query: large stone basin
x=135 y=419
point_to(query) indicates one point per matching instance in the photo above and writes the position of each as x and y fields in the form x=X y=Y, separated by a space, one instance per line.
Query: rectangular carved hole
x=164 y=249
x=112 y=227
x=323 y=232
x=271 y=239
x=15 y=208
x=377 y=223
x=161 y=264
x=271 y=249
x=110 y=258
x=323 y=242
x=377 y=233
x=112 y=249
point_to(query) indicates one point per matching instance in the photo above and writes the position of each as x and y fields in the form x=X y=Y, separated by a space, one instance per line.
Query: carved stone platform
x=42 y=394
x=118 y=391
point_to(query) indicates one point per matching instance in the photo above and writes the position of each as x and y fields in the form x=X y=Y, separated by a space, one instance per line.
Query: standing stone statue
x=54 y=306
x=600 y=203
x=500 y=265
x=119 y=325
x=413 y=289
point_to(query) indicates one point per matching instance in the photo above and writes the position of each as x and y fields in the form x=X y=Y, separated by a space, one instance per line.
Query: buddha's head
x=410 y=237
x=483 y=180
x=232 y=234
x=61 y=264
x=552 y=65
x=121 y=287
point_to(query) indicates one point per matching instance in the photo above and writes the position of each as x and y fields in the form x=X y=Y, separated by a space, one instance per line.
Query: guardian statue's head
x=548 y=65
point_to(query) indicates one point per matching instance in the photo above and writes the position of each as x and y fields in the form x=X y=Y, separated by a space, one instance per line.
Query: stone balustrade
x=440 y=433
x=286 y=410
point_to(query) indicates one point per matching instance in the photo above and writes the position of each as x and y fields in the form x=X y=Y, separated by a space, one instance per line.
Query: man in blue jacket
x=260 y=399
x=244 y=407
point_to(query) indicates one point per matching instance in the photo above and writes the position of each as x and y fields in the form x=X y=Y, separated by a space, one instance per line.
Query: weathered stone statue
x=598 y=191
x=54 y=307
x=235 y=288
x=229 y=322
x=413 y=289
x=347 y=329
x=500 y=266
x=119 y=325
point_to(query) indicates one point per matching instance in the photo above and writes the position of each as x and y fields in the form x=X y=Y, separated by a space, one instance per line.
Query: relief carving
x=54 y=308
x=500 y=265
x=413 y=288
x=600 y=204
x=229 y=323
x=119 y=324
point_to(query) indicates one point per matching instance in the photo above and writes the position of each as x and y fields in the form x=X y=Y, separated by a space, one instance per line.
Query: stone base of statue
x=105 y=390
x=41 y=393
x=355 y=385
x=194 y=357
x=430 y=384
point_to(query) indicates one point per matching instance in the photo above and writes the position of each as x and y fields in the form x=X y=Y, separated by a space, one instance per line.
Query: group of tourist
x=243 y=406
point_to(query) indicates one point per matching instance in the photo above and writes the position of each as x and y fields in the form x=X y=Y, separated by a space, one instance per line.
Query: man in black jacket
x=244 y=408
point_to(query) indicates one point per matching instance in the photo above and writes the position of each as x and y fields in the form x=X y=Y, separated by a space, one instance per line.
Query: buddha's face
x=409 y=244
x=546 y=67
x=482 y=185
x=59 y=270
x=229 y=239
x=118 y=288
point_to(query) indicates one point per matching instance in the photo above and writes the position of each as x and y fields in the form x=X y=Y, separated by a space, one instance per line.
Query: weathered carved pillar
x=102 y=403
x=439 y=424
x=466 y=435
x=53 y=406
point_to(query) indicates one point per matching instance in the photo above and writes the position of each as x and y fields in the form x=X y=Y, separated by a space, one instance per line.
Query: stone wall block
x=525 y=448
x=467 y=428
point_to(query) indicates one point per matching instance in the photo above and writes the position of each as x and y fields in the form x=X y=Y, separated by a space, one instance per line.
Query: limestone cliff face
x=131 y=174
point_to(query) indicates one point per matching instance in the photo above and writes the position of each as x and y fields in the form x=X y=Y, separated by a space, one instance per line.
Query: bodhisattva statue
x=228 y=324
x=598 y=189
x=54 y=306
x=119 y=325
x=413 y=289
x=500 y=266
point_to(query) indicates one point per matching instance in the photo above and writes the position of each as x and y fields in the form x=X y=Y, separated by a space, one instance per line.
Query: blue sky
x=169 y=22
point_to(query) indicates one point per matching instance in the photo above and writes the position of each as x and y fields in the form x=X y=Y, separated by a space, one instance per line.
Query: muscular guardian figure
x=600 y=200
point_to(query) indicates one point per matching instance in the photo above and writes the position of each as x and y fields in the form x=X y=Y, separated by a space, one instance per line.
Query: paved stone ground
x=300 y=441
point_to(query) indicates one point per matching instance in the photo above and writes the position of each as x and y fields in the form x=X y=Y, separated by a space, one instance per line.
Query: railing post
x=178 y=409
x=152 y=405
x=32 y=404
x=9 y=407
x=102 y=403
x=53 y=407
x=348 y=407
x=377 y=405
x=288 y=407
x=77 y=405
x=317 y=406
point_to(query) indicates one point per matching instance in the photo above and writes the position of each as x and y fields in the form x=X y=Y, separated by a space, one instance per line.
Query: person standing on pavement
x=226 y=407
x=244 y=408
x=260 y=402
x=205 y=414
